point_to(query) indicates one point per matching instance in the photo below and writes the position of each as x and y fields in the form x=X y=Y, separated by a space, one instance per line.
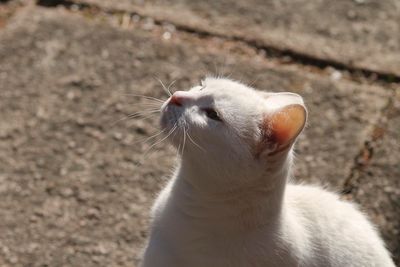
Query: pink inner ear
x=286 y=124
x=281 y=128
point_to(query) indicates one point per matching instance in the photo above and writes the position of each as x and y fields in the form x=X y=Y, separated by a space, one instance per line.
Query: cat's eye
x=212 y=114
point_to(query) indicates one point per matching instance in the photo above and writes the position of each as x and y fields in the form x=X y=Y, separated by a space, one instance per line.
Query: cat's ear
x=283 y=121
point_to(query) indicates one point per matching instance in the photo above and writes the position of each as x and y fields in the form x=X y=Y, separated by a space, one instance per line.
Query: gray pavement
x=360 y=33
x=75 y=189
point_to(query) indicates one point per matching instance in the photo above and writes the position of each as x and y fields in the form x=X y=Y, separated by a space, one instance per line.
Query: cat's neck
x=228 y=205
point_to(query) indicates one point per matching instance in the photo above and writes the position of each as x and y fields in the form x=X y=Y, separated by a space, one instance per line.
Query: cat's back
x=339 y=233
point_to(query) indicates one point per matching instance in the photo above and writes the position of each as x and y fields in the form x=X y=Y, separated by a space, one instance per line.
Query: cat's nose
x=175 y=100
x=178 y=98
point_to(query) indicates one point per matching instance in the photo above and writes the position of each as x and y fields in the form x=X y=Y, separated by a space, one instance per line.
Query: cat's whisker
x=146 y=139
x=135 y=115
x=141 y=113
x=180 y=144
x=206 y=72
x=179 y=147
x=147 y=109
x=143 y=118
x=196 y=144
x=224 y=67
x=146 y=97
x=160 y=141
x=170 y=85
x=216 y=69
x=163 y=86
x=148 y=104
x=254 y=81
x=184 y=139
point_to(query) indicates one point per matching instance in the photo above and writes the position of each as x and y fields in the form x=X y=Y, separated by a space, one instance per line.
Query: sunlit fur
x=226 y=206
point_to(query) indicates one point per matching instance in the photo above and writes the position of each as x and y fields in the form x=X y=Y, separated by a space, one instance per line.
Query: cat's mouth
x=172 y=117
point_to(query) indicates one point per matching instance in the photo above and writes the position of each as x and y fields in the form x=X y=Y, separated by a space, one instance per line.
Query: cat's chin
x=166 y=122
x=169 y=117
x=172 y=132
x=167 y=125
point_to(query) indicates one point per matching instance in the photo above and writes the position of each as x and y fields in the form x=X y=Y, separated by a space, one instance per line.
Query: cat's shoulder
x=301 y=190
x=316 y=197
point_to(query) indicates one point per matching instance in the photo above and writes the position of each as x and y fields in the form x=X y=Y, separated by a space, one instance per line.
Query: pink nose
x=178 y=98
x=175 y=100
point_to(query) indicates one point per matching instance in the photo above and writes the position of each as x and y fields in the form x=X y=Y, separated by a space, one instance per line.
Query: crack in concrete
x=269 y=50
x=65 y=3
x=361 y=161
x=366 y=153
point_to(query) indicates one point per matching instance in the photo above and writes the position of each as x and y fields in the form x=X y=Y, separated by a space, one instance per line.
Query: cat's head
x=222 y=121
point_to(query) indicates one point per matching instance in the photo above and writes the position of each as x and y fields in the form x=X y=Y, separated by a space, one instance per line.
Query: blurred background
x=76 y=182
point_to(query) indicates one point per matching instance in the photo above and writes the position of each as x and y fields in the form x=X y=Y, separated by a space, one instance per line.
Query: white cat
x=229 y=202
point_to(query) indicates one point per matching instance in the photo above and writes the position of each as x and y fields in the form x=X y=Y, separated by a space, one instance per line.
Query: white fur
x=226 y=207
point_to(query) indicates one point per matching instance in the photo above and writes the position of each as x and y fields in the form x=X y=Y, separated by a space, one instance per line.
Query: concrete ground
x=76 y=186
x=361 y=33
